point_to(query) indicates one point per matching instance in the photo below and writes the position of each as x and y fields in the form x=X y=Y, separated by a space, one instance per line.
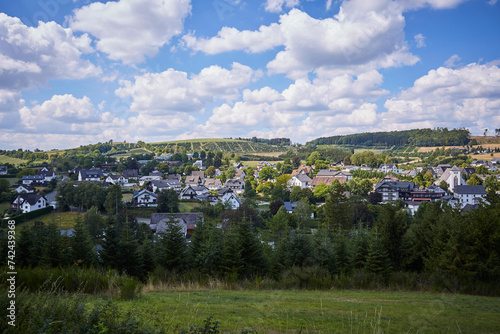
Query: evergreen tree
x=81 y=245
x=252 y=255
x=52 y=253
x=129 y=258
x=146 y=252
x=392 y=224
x=231 y=253
x=336 y=211
x=94 y=223
x=324 y=251
x=111 y=246
x=301 y=251
x=168 y=201
x=113 y=202
x=377 y=259
x=360 y=248
x=172 y=248
x=342 y=252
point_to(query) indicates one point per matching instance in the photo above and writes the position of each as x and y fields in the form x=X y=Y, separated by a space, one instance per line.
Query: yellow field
x=254 y=164
x=485 y=156
x=432 y=148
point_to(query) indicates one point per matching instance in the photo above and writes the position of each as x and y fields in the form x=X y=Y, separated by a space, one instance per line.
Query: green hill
x=218 y=144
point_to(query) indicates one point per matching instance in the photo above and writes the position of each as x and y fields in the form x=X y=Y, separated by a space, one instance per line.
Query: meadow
x=302 y=311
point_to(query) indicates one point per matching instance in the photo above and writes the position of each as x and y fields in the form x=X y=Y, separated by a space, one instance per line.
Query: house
x=495 y=161
x=116 y=179
x=236 y=185
x=164 y=157
x=350 y=168
x=177 y=177
x=388 y=168
x=439 y=170
x=469 y=194
x=186 y=221
x=453 y=177
x=200 y=190
x=131 y=174
x=32 y=179
x=223 y=191
x=145 y=198
x=231 y=200
x=493 y=168
x=90 y=175
x=28 y=202
x=302 y=170
x=290 y=207
x=300 y=180
x=200 y=174
x=193 y=180
x=144 y=179
x=240 y=174
x=24 y=189
x=188 y=193
x=157 y=186
x=263 y=164
x=213 y=184
x=3 y=170
x=394 y=190
x=47 y=174
x=156 y=173
x=327 y=180
x=199 y=164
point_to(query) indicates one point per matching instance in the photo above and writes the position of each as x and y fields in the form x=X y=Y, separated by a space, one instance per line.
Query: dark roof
x=128 y=173
x=3 y=168
x=476 y=190
x=327 y=173
x=174 y=177
x=189 y=218
x=46 y=173
x=31 y=198
x=224 y=190
x=33 y=177
x=289 y=206
x=91 y=173
x=303 y=178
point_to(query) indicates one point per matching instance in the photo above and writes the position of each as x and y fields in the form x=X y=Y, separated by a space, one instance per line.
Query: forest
x=416 y=137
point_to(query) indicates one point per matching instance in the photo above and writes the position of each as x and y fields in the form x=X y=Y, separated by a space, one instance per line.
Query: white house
x=231 y=200
x=237 y=185
x=116 y=179
x=148 y=178
x=188 y=193
x=300 y=180
x=47 y=174
x=29 y=179
x=24 y=189
x=199 y=164
x=3 y=170
x=388 y=168
x=28 y=202
x=213 y=184
x=469 y=194
x=90 y=175
x=145 y=198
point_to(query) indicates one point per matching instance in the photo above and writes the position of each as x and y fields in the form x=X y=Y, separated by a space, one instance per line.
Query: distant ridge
x=415 y=137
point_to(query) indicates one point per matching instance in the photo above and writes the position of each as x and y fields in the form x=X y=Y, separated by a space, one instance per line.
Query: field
x=187 y=206
x=254 y=164
x=277 y=311
x=486 y=139
x=9 y=160
x=224 y=145
x=64 y=220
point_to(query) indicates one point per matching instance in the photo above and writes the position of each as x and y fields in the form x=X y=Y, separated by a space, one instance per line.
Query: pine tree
x=324 y=251
x=252 y=254
x=111 y=247
x=129 y=257
x=81 y=245
x=360 y=248
x=377 y=259
x=172 y=248
x=231 y=253
x=342 y=253
x=52 y=254
x=146 y=252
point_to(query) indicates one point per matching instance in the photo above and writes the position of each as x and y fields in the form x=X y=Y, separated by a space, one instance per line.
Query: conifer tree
x=342 y=252
x=52 y=254
x=81 y=245
x=110 y=253
x=377 y=259
x=252 y=254
x=129 y=257
x=324 y=251
x=172 y=248
x=360 y=248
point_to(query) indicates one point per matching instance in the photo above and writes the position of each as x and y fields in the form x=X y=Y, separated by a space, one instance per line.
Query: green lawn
x=277 y=311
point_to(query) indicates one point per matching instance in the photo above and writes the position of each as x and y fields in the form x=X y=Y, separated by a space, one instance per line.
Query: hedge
x=30 y=215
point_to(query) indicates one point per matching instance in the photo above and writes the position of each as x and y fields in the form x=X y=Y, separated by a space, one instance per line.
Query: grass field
x=9 y=160
x=277 y=311
x=187 y=206
x=201 y=140
x=64 y=220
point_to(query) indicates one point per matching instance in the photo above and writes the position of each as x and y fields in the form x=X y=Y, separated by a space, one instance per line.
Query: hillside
x=416 y=137
x=218 y=144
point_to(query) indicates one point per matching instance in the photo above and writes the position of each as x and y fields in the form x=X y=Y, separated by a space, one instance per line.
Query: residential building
x=300 y=180
x=116 y=179
x=199 y=164
x=3 y=170
x=453 y=177
x=237 y=185
x=47 y=174
x=394 y=190
x=213 y=184
x=230 y=199
x=28 y=202
x=186 y=221
x=388 y=168
x=90 y=175
x=131 y=174
x=188 y=193
x=24 y=189
x=145 y=198
x=469 y=194
x=32 y=179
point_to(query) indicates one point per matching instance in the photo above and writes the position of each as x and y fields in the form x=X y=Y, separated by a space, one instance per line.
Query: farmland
x=224 y=145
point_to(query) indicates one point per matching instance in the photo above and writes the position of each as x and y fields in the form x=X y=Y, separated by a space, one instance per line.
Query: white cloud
x=492 y=2
x=452 y=61
x=419 y=40
x=172 y=91
x=231 y=39
x=64 y=114
x=129 y=30
x=464 y=97
x=263 y=95
x=30 y=56
x=10 y=102
x=328 y=4
x=276 y=6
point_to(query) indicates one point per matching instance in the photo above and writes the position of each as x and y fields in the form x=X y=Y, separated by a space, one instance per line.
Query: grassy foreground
x=277 y=311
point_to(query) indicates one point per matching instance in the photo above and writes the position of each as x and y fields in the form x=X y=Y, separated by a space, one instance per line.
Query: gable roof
x=129 y=173
x=142 y=192
x=327 y=173
x=31 y=198
x=473 y=190
x=199 y=173
x=212 y=182
x=327 y=180
x=33 y=177
x=91 y=173
x=303 y=178
x=189 y=218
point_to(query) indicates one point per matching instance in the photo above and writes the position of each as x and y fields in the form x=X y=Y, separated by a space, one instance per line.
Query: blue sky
x=74 y=72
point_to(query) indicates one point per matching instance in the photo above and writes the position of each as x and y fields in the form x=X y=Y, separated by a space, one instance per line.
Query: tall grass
x=75 y=280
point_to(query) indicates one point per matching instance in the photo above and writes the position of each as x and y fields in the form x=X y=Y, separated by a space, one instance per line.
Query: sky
x=78 y=72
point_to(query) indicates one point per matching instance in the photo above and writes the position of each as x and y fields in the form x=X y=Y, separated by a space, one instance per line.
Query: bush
x=31 y=215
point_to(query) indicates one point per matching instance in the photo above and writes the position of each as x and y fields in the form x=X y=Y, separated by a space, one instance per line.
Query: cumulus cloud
x=64 y=114
x=30 y=56
x=452 y=61
x=463 y=97
x=129 y=30
x=231 y=39
x=172 y=91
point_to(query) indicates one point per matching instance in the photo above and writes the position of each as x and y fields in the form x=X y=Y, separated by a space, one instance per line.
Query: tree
x=303 y=213
x=168 y=201
x=4 y=185
x=210 y=171
x=296 y=161
x=336 y=211
x=113 y=201
x=274 y=206
x=82 y=253
x=311 y=159
x=392 y=223
x=172 y=248
x=129 y=257
x=278 y=225
x=110 y=253
x=474 y=180
x=444 y=185
x=491 y=184
x=249 y=191
x=268 y=173
x=94 y=223
x=377 y=258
